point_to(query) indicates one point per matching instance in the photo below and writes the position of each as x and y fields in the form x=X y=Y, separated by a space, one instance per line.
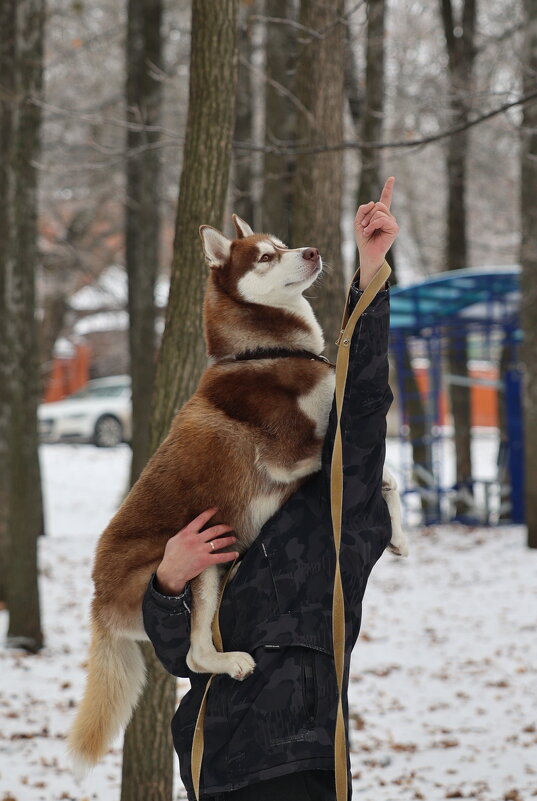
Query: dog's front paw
x=237 y=664
x=240 y=664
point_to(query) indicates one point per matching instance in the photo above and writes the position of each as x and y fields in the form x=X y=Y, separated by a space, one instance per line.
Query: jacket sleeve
x=167 y=624
x=366 y=402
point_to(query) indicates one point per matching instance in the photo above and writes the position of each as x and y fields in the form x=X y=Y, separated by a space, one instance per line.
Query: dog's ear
x=216 y=246
x=242 y=228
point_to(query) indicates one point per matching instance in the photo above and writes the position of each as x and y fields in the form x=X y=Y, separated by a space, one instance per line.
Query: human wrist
x=367 y=271
x=169 y=585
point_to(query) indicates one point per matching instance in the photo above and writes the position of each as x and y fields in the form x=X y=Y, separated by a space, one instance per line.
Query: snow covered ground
x=443 y=692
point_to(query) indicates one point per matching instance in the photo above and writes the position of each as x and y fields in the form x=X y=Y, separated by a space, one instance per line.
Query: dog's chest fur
x=278 y=408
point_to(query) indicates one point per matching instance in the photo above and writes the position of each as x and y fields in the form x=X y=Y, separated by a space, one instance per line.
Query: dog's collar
x=273 y=353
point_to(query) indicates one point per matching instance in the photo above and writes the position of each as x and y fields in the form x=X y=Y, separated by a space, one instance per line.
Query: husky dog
x=243 y=443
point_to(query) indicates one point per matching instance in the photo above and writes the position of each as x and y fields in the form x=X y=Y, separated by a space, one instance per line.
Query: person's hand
x=375 y=230
x=188 y=553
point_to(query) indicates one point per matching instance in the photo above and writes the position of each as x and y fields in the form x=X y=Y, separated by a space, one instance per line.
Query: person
x=271 y=735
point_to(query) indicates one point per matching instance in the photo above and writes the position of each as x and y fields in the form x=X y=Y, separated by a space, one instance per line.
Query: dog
x=245 y=441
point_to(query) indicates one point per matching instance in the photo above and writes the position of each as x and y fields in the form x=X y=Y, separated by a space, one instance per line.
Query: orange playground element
x=484 y=399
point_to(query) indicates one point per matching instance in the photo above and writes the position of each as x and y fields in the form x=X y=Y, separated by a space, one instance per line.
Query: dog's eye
x=266 y=257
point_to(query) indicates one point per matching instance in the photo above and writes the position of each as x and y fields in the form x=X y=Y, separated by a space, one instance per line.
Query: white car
x=99 y=413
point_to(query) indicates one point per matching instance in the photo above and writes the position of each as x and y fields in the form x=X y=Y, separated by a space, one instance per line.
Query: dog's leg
x=286 y=474
x=203 y=656
x=398 y=543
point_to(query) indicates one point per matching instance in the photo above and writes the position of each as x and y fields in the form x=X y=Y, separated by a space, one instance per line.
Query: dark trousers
x=306 y=785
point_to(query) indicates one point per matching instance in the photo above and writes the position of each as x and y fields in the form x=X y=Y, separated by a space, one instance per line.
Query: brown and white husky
x=244 y=442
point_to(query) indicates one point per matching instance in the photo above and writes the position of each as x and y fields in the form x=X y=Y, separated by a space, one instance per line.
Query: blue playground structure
x=478 y=310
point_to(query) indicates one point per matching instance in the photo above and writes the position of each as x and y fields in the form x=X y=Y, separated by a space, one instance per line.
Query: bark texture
x=280 y=120
x=369 y=120
x=528 y=259
x=242 y=180
x=21 y=136
x=372 y=116
x=148 y=774
x=202 y=191
x=318 y=181
x=459 y=35
x=142 y=218
x=7 y=99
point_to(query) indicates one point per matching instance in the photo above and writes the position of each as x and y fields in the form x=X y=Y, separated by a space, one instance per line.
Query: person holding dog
x=271 y=735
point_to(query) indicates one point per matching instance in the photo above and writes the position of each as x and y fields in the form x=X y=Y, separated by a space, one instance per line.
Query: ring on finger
x=212 y=545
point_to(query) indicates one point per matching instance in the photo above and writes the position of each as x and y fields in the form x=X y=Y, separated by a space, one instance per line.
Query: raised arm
x=367 y=393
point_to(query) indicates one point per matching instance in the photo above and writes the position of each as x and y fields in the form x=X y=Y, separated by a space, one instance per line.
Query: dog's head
x=259 y=268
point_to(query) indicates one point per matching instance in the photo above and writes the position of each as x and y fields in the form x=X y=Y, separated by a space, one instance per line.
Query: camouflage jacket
x=281 y=718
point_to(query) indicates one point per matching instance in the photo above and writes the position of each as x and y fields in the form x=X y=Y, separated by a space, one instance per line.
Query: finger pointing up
x=387 y=192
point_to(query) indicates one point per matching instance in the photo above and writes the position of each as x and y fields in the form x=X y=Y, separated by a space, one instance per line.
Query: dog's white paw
x=237 y=664
x=240 y=664
x=399 y=544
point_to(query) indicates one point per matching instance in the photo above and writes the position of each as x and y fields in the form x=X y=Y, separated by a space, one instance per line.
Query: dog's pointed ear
x=216 y=246
x=242 y=228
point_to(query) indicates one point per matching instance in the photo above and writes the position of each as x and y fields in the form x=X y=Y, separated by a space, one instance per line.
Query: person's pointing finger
x=387 y=192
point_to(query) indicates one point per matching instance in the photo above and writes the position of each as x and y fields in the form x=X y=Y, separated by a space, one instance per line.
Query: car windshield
x=112 y=391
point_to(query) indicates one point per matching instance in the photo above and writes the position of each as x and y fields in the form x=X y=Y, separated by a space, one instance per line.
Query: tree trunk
x=528 y=259
x=24 y=502
x=372 y=117
x=148 y=772
x=461 y=50
x=370 y=123
x=319 y=178
x=142 y=217
x=7 y=99
x=242 y=176
x=280 y=120
x=53 y=309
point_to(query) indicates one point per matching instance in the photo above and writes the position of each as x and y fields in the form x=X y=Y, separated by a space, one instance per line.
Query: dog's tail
x=116 y=676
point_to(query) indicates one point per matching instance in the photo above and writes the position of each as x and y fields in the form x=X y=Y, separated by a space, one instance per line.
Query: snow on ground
x=444 y=677
x=443 y=693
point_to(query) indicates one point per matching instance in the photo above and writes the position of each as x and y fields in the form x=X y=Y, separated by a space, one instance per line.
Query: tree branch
x=426 y=140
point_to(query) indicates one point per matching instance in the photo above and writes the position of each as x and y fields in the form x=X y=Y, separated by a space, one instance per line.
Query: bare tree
x=142 y=217
x=372 y=112
x=7 y=98
x=241 y=168
x=147 y=773
x=280 y=118
x=459 y=35
x=20 y=145
x=369 y=116
x=528 y=259
x=87 y=241
x=318 y=178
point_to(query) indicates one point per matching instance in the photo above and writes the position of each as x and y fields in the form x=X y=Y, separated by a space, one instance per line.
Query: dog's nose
x=310 y=254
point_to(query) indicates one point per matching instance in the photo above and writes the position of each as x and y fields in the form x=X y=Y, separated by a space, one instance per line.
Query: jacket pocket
x=299 y=581
x=309 y=685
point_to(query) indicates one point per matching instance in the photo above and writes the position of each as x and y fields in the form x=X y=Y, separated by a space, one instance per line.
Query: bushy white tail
x=116 y=676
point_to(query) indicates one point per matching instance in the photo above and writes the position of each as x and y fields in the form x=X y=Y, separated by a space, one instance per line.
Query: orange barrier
x=68 y=374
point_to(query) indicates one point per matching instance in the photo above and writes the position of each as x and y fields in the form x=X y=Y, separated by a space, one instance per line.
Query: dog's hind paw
x=399 y=545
